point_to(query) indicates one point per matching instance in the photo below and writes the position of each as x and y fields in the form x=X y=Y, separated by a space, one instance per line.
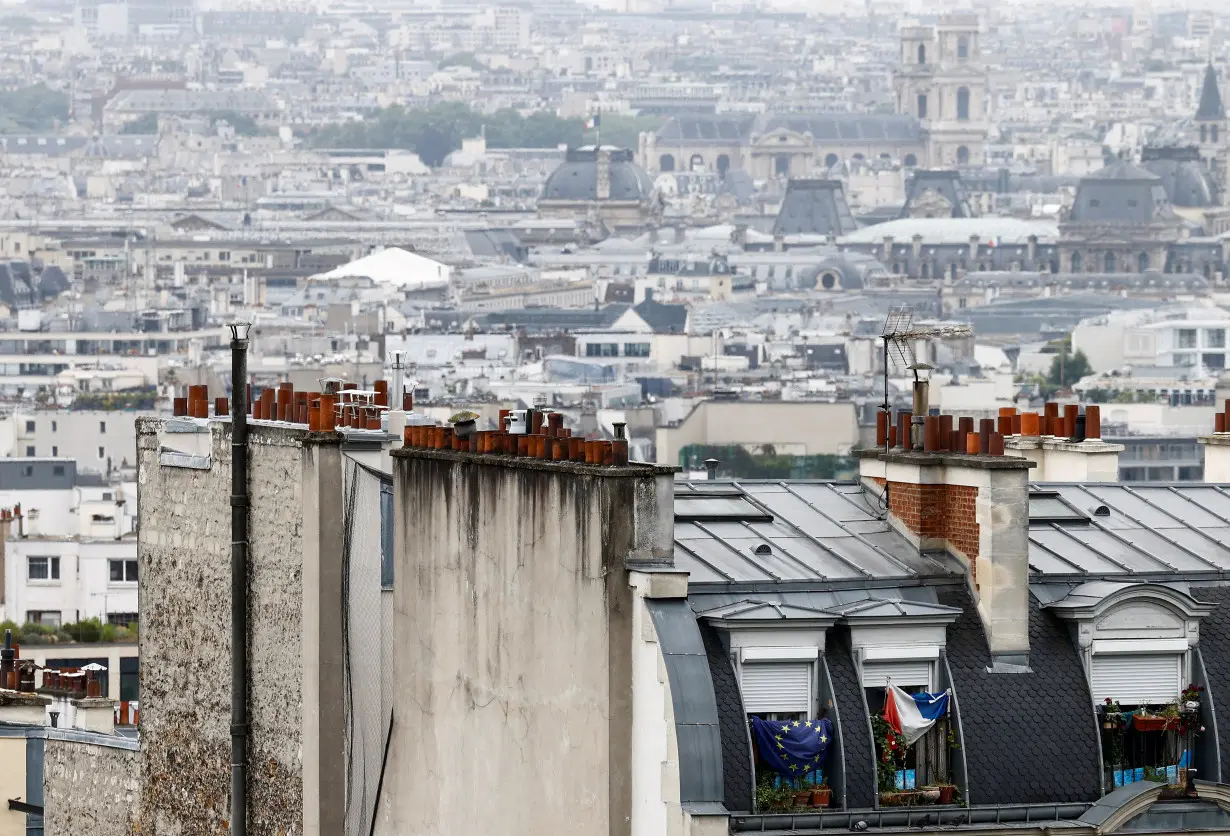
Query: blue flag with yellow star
x=793 y=748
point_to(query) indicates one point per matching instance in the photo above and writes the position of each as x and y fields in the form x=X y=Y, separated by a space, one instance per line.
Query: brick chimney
x=976 y=507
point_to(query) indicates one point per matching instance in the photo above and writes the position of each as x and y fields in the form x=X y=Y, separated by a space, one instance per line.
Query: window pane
x=130 y=566
x=55 y=568
x=117 y=570
x=38 y=568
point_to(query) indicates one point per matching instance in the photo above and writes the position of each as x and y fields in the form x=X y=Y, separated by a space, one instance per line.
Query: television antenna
x=899 y=337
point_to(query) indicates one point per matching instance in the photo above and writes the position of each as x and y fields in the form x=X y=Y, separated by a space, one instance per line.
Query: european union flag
x=793 y=748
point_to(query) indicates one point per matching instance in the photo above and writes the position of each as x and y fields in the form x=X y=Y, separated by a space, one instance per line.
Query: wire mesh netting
x=367 y=641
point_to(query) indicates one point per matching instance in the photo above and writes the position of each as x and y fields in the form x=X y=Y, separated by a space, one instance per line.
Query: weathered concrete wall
x=90 y=788
x=184 y=552
x=513 y=626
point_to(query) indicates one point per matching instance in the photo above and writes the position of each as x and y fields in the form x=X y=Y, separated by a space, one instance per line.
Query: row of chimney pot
x=940 y=436
x=83 y=683
x=341 y=405
x=546 y=438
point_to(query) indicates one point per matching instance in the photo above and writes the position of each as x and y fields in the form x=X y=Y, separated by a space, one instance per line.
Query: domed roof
x=577 y=176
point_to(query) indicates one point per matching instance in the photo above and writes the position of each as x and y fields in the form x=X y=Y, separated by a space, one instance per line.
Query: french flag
x=910 y=715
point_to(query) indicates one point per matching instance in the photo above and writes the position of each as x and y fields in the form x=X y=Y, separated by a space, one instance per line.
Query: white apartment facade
x=60 y=580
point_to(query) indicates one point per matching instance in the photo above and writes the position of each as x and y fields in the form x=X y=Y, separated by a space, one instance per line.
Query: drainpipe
x=239 y=579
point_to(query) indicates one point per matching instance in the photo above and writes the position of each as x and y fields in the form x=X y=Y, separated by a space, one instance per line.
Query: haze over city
x=614 y=417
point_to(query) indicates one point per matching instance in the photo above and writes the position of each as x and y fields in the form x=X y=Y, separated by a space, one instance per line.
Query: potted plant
x=946 y=792
x=929 y=794
x=821 y=794
x=1112 y=715
x=772 y=797
x=802 y=795
x=1190 y=698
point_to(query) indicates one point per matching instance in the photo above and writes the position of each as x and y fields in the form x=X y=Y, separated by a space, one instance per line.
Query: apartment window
x=123 y=571
x=30 y=450
x=29 y=426
x=57 y=470
x=223 y=255
x=107 y=495
x=43 y=568
x=636 y=349
x=1215 y=337
x=50 y=618
x=27 y=470
x=1187 y=338
x=53 y=426
x=102 y=454
x=102 y=426
x=122 y=619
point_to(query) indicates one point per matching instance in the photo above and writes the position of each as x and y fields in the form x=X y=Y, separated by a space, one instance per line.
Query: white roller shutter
x=904 y=674
x=1137 y=678
x=776 y=686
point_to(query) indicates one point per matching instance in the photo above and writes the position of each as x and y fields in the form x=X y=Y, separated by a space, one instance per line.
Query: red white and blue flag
x=911 y=715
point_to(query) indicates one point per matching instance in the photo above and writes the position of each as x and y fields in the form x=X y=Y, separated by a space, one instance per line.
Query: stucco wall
x=513 y=633
x=795 y=428
x=184 y=553
x=90 y=789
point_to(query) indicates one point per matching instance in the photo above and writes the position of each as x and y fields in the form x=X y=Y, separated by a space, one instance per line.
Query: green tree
x=1068 y=368
x=145 y=124
x=31 y=109
x=434 y=132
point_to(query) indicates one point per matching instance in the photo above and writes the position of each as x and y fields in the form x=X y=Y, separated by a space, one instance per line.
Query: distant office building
x=136 y=18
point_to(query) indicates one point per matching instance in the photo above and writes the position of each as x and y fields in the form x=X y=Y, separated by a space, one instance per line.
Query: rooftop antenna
x=899 y=336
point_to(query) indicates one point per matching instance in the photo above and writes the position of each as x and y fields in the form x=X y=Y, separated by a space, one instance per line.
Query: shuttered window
x=1137 y=678
x=906 y=673
x=776 y=687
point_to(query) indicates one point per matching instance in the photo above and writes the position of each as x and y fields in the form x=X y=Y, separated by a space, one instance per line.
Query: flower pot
x=1192 y=705
x=802 y=798
x=929 y=795
x=821 y=796
x=946 y=793
x=1108 y=724
x=1155 y=724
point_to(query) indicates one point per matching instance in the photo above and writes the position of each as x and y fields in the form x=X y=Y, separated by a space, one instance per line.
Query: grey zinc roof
x=1185 y=181
x=814 y=207
x=1129 y=531
x=813 y=531
x=1121 y=193
x=835 y=128
x=947 y=184
x=700 y=128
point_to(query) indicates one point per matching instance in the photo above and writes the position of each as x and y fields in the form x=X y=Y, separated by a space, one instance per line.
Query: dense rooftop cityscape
x=905 y=321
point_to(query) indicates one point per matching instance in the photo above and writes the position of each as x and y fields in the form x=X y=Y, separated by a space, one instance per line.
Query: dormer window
x=1136 y=643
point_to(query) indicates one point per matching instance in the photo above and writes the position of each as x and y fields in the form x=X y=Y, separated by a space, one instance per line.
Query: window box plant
x=929 y=795
x=1112 y=715
x=802 y=796
x=1167 y=719
x=946 y=793
x=898 y=799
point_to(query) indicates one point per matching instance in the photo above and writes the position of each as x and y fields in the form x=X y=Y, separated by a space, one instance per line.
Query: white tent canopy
x=397 y=267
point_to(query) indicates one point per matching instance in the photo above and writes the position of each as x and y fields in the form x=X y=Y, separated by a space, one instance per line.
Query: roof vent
x=1100 y=511
x=763 y=548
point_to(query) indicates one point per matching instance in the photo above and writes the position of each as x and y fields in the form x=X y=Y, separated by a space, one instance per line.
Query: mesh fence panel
x=365 y=646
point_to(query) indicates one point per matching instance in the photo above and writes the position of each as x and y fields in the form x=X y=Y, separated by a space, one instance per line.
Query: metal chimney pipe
x=239 y=579
x=711 y=465
x=399 y=379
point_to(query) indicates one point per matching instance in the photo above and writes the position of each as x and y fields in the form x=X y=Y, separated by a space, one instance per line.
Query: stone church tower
x=943 y=83
x=1210 y=133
